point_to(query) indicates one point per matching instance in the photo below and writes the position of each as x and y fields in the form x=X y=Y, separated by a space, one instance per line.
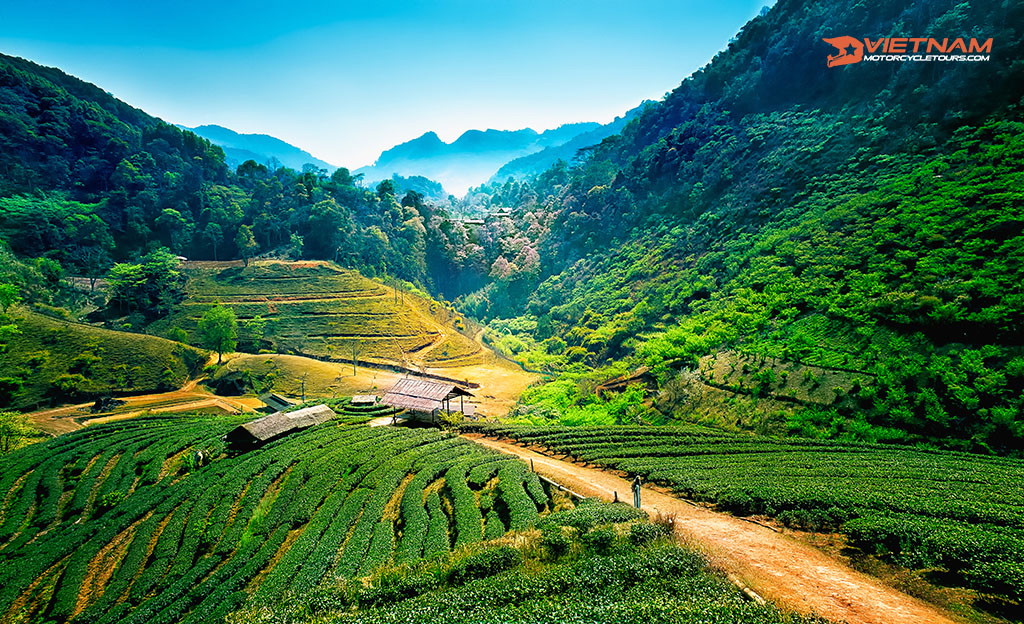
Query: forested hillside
x=87 y=180
x=792 y=221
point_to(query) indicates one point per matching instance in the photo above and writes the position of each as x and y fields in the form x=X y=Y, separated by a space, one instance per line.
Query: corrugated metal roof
x=275 y=401
x=414 y=403
x=280 y=422
x=422 y=395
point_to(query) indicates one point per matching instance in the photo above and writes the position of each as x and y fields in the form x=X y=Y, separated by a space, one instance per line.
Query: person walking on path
x=636 y=492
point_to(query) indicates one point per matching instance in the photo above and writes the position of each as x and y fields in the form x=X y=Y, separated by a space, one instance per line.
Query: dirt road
x=188 y=398
x=787 y=572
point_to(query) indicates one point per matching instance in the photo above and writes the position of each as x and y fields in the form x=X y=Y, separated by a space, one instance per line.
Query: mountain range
x=262 y=148
x=471 y=159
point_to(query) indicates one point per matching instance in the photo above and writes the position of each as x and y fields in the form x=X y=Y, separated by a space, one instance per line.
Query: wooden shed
x=276 y=425
x=427 y=399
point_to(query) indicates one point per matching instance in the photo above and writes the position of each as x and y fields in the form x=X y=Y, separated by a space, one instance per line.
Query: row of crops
x=320 y=310
x=923 y=508
x=597 y=562
x=128 y=522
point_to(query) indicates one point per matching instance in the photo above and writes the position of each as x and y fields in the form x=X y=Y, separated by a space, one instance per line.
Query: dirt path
x=64 y=419
x=381 y=421
x=790 y=573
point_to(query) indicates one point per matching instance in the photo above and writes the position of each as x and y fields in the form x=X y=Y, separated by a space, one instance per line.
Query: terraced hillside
x=125 y=522
x=321 y=310
x=925 y=509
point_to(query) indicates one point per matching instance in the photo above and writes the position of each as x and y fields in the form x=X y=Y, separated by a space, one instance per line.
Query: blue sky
x=347 y=80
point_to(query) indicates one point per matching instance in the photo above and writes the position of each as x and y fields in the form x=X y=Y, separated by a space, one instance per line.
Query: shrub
x=398 y=585
x=646 y=532
x=586 y=516
x=554 y=542
x=483 y=564
x=599 y=540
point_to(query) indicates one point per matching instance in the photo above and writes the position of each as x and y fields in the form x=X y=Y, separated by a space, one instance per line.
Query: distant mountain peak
x=470 y=159
x=262 y=148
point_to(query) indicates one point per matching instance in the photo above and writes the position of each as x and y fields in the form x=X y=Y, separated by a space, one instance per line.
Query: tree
x=218 y=330
x=257 y=330
x=8 y=296
x=246 y=243
x=151 y=287
x=329 y=223
x=215 y=234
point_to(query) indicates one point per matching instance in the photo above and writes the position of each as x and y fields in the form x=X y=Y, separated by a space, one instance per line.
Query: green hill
x=56 y=361
x=320 y=310
x=857 y=226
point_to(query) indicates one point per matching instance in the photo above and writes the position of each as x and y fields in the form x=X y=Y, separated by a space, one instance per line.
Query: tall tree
x=218 y=330
x=246 y=243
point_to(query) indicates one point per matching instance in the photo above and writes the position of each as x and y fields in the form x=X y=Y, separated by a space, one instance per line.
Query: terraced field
x=321 y=310
x=924 y=509
x=126 y=522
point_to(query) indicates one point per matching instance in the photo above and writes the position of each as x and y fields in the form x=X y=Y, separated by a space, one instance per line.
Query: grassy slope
x=318 y=309
x=49 y=350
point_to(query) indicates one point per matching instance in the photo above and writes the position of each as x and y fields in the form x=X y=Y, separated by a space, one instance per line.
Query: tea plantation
x=150 y=521
x=324 y=311
x=923 y=508
x=595 y=563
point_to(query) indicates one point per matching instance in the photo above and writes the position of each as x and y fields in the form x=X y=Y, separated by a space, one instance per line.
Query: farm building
x=263 y=430
x=425 y=400
x=275 y=401
x=364 y=399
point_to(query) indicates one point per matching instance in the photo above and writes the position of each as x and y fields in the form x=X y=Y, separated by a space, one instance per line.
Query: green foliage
x=555 y=542
x=218 y=330
x=645 y=532
x=484 y=564
x=8 y=296
x=586 y=516
x=14 y=431
x=151 y=287
x=246 y=243
x=660 y=584
x=277 y=520
x=53 y=360
x=599 y=540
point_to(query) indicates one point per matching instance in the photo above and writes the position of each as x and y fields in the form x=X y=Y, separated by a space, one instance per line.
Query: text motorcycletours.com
x=850 y=50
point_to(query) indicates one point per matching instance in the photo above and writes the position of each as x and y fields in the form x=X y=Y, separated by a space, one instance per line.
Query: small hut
x=263 y=430
x=426 y=400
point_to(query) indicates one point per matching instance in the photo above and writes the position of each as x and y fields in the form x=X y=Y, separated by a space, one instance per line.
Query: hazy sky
x=347 y=80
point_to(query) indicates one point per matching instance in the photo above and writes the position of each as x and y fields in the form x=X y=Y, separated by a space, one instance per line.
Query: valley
x=782 y=303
